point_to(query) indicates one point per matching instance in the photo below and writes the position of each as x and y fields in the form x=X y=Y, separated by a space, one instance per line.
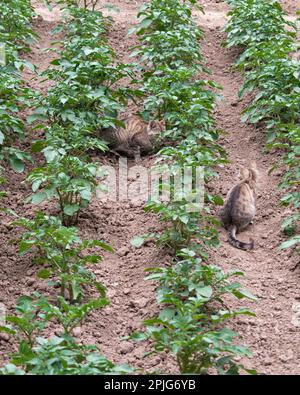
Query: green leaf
x=7 y=330
x=35 y=185
x=205 y=292
x=86 y=194
x=138 y=241
x=145 y=23
x=103 y=245
x=17 y=165
x=36 y=117
x=71 y=209
x=290 y=243
x=139 y=336
x=38 y=198
x=44 y=274
x=243 y=293
x=218 y=200
x=2 y=137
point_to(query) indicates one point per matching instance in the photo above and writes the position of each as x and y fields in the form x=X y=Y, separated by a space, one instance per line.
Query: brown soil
x=273 y=338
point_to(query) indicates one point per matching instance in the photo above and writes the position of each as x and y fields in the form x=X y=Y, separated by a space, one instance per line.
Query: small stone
x=123 y=251
x=268 y=362
x=111 y=293
x=43 y=287
x=156 y=361
x=140 y=303
x=4 y=336
x=126 y=348
x=77 y=331
x=30 y=281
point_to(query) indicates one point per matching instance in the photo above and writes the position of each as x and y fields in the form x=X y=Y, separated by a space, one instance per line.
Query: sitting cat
x=240 y=206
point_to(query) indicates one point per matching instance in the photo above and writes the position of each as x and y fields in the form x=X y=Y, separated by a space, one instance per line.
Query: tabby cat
x=240 y=206
x=134 y=139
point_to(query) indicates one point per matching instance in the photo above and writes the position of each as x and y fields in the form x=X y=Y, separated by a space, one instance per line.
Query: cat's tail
x=236 y=243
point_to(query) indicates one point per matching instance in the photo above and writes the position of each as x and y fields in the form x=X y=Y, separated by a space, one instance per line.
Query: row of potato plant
x=192 y=322
x=272 y=72
x=80 y=102
x=16 y=35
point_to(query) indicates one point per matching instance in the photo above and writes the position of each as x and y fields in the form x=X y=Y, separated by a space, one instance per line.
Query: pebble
x=77 y=331
x=126 y=348
x=30 y=281
x=140 y=303
x=4 y=336
x=268 y=362
x=123 y=251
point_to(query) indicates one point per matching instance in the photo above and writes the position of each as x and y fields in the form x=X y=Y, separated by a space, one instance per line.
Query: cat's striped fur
x=133 y=139
x=240 y=206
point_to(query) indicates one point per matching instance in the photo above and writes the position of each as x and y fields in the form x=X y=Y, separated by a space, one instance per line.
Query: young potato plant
x=63 y=255
x=59 y=355
x=168 y=36
x=67 y=4
x=166 y=15
x=15 y=23
x=87 y=74
x=190 y=324
x=184 y=228
x=186 y=222
x=291 y=183
x=61 y=141
x=265 y=21
x=26 y=324
x=85 y=99
x=278 y=99
x=70 y=181
x=185 y=104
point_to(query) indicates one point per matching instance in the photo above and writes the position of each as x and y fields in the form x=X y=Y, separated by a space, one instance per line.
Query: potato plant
x=15 y=22
x=62 y=253
x=65 y=4
x=70 y=181
x=58 y=355
x=86 y=74
x=190 y=325
x=183 y=102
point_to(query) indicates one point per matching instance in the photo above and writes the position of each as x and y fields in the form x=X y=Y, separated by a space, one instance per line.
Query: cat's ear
x=151 y=128
x=254 y=170
x=162 y=125
x=243 y=172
